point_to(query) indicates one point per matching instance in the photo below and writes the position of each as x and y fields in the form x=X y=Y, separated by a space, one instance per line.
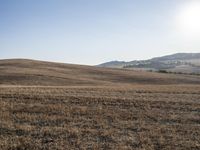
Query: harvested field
x=130 y=117
x=52 y=106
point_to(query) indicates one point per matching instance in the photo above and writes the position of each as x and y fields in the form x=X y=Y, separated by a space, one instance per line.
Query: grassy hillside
x=31 y=72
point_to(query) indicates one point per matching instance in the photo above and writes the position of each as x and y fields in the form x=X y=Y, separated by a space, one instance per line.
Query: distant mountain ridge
x=179 y=62
x=178 y=56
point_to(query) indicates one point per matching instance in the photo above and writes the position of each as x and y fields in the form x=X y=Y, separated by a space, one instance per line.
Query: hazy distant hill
x=114 y=64
x=31 y=72
x=180 y=62
x=178 y=56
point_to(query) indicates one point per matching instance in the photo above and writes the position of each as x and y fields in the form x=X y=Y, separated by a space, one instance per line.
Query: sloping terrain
x=31 y=72
x=180 y=62
x=53 y=106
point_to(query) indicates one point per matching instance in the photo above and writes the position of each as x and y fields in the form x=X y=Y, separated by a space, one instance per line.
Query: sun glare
x=189 y=18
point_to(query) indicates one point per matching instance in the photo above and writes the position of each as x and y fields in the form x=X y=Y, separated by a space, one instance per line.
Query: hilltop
x=33 y=72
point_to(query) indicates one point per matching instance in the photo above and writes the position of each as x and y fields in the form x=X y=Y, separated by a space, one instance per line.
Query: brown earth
x=56 y=106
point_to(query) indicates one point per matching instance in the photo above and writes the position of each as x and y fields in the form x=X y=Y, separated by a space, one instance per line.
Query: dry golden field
x=50 y=106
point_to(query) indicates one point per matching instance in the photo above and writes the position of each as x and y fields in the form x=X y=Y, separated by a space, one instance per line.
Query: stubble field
x=100 y=117
x=54 y=106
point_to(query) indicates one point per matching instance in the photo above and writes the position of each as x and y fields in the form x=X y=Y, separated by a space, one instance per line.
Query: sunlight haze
x=188 y=19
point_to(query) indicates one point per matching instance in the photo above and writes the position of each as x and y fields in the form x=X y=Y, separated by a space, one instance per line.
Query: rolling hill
x=180 y=62
x=32 y=72
x=47 y=105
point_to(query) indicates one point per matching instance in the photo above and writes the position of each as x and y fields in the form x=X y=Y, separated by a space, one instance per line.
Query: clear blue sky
x=92 y=31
